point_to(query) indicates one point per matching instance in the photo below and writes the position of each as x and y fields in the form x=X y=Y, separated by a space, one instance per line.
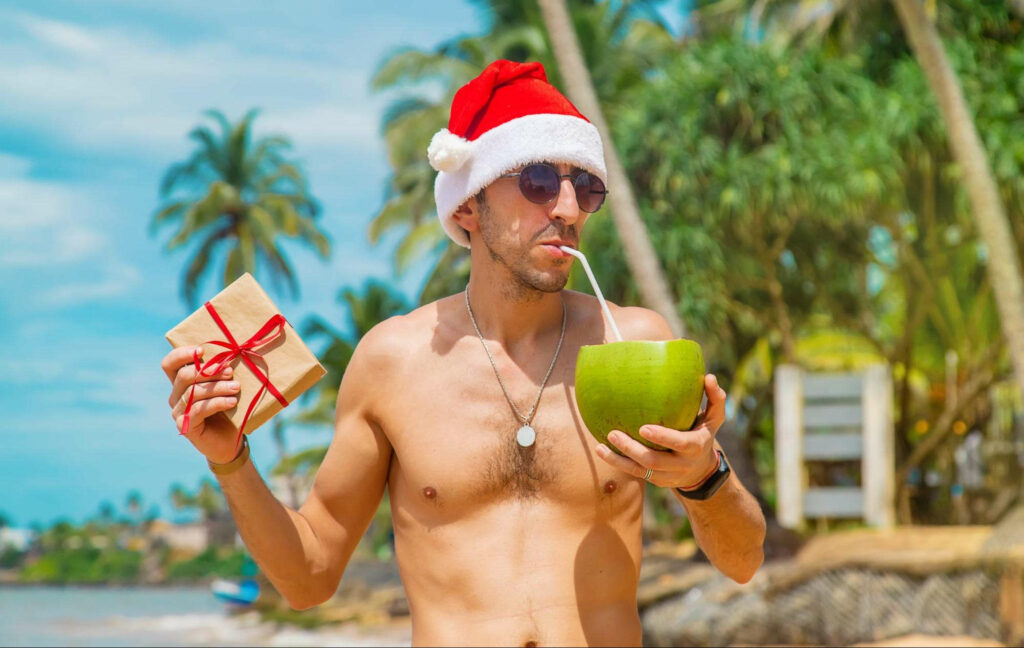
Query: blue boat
x=242 y=593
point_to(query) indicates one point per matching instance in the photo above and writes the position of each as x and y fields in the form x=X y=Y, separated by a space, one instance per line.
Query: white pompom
x=447 y=151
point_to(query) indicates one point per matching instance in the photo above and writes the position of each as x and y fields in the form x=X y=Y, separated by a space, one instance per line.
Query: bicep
x=350 y=482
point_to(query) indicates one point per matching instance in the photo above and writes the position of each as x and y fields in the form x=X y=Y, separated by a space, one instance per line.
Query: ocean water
x=144 y=616
x=46 y=616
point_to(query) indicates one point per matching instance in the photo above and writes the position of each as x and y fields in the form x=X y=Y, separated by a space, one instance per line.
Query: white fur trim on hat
x=533 y=138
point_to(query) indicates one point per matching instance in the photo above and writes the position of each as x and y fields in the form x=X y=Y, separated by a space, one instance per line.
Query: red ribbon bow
x=270 y=331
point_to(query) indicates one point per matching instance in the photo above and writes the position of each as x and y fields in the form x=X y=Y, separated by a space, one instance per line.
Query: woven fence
x=838 y=607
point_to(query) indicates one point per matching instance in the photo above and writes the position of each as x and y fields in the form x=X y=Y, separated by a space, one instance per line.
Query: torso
x=499 y=544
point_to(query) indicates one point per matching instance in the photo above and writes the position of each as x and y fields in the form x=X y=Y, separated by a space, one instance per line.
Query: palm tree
x=237 y=195
x=180 y=498
x=408 y=124
x=640 y=254
x=989 y=215
x=376 y=303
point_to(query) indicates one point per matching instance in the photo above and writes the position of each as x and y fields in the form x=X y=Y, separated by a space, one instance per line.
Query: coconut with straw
x=626 y=384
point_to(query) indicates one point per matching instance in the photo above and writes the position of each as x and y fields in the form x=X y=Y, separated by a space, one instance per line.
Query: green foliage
x=237 y=196
x=375 y=303
x=84 y=565
x=207 y=499
x=10 y=557
x=219 y=562
x=759 y=172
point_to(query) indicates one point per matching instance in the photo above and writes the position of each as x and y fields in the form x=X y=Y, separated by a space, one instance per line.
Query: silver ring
x=647 y=475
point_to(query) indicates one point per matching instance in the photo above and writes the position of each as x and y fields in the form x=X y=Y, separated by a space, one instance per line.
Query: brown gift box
x=289 y=364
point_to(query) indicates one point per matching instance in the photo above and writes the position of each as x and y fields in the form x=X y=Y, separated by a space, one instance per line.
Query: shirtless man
x=498 y=543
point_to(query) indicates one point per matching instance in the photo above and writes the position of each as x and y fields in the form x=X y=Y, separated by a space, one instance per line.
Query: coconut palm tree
x=374 y=304
x=989 y=214
x=237 y=195
x=640 y=254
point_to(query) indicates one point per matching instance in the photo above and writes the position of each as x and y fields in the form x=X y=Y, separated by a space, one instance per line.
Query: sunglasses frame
x=560 y=177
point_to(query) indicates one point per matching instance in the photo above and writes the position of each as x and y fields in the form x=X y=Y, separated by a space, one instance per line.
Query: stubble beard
x=527 y=284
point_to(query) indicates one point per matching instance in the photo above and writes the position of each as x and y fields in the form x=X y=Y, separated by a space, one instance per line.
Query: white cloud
x=31 y=204
x=45 y=227
x=109 y=88
x=62 y=35
x=118 y=278
x=65 y=245
x=13 y=165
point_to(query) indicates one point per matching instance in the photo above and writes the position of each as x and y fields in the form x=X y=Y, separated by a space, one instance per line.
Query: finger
x=178 y=358
x=688 y=443
x=714 y=415
x=188 y=375
x=203 y=410
x=641 y=454
x=205 y=391
x=624 y=464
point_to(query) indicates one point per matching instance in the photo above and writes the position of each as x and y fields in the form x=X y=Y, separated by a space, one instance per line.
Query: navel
x=430 y=492
x=610 y=486
x=530 y=644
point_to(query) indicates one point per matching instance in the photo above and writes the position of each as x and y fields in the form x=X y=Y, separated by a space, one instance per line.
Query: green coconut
x=625 y=385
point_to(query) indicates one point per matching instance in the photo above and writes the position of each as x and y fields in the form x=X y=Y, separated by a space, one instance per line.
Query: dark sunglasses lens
x=590 y=192
x=539 y=183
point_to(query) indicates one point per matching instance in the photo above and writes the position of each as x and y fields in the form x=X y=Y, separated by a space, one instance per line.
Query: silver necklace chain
x=524 y=419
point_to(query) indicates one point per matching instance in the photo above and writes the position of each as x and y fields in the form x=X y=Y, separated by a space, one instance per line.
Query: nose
x=566 y=207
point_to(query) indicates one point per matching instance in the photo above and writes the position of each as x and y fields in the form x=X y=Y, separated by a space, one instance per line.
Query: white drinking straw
x=597 y=289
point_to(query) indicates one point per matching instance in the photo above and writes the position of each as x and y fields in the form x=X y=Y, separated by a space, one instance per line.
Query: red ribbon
x=270 y=331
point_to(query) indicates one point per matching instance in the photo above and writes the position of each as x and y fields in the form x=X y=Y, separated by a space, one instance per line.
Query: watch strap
x=710 y=485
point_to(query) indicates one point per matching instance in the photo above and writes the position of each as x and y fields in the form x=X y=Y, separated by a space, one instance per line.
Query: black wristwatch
x=712 y=483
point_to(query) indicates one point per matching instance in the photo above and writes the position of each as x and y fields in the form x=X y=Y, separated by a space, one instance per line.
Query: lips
x=559 y=243
x=553 y=248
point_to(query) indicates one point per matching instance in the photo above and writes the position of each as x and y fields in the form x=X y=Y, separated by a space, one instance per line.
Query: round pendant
x=526 y=436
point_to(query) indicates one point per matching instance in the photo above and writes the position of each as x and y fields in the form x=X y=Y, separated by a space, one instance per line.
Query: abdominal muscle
x=521 y=572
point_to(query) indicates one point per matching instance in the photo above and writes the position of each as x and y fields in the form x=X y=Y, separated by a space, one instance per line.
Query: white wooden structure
x=834 y=417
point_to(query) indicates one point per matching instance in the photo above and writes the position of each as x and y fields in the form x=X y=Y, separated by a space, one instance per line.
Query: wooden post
x=789 y=445
x=878 y=463
x=1011 y=604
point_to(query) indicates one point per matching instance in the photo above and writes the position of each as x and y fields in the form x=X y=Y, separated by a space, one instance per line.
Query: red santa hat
x=506 y=117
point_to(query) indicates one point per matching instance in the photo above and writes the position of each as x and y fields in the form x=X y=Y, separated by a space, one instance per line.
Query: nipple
x=610 y=486
x=430 y=492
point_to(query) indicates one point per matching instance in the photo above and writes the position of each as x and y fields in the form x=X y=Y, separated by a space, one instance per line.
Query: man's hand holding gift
x=214 y=436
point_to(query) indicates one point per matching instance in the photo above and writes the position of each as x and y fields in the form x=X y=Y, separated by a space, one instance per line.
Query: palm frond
x=421 y=240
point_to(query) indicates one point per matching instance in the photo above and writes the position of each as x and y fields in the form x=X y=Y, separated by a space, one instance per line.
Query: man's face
x=523 y=236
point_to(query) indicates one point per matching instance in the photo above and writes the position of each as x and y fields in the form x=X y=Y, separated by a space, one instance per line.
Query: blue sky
x=96 y=100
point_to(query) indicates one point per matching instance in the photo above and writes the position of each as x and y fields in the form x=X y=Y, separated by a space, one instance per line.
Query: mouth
x=554 y=248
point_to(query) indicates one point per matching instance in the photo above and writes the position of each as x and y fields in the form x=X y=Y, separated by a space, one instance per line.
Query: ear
x=467 y=216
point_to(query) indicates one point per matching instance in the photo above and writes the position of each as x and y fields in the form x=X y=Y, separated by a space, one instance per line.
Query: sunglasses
x=540 y=183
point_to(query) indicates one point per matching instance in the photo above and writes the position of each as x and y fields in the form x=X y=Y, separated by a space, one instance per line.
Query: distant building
x=17 y=539
x=190 y=537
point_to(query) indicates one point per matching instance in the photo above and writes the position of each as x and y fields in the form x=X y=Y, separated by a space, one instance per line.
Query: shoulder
x=387 y=343
x=634 y=322
x=376 y=367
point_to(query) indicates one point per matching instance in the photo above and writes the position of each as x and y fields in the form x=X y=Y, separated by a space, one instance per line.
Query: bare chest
x=454 y=437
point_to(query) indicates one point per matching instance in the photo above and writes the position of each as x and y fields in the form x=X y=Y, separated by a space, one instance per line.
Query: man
x=512 y=525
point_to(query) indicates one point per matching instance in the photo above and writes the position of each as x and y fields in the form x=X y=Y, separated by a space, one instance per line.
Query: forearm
x=280 y=539
x=729 y=528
